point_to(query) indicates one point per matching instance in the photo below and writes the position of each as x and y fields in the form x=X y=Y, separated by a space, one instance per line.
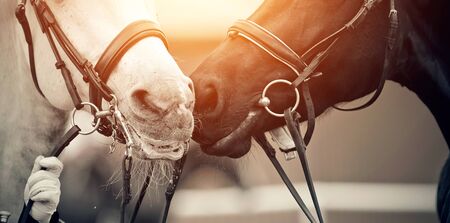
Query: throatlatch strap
x=389 y=56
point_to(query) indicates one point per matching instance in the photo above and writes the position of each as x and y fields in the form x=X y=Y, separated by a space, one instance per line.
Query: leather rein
x=289 y=137
x=97 y=77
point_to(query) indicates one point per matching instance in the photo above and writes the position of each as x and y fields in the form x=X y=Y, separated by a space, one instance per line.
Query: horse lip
x=243 y=131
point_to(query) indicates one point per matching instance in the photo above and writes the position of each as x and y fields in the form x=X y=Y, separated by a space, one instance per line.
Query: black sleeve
x=29 y=219
x=55 y=217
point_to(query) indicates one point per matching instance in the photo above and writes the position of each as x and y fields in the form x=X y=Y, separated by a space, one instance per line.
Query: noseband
x=289 y=138
x=108 y=122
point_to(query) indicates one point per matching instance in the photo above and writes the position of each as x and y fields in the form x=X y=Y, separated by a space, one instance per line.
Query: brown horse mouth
x=238 y=142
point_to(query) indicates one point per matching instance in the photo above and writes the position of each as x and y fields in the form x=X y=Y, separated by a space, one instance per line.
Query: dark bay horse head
x=230 y=81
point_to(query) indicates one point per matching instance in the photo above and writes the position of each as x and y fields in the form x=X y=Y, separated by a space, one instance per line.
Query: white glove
x=43 y=187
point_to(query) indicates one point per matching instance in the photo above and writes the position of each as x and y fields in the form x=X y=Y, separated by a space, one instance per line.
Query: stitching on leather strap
x=269 y=42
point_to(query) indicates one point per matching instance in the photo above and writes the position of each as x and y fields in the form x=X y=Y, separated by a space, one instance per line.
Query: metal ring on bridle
x=265 y=101
x=97 y=123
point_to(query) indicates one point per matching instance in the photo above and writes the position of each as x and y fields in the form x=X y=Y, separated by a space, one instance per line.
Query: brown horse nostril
x=209 y=101
x=210 y=98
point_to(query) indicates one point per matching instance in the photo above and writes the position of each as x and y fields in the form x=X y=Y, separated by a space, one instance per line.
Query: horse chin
x=238 y=142
x=154 y=144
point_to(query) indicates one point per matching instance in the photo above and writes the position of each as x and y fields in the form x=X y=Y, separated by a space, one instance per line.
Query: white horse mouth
x=146 y=147
x=152 y=149
x=172 y=151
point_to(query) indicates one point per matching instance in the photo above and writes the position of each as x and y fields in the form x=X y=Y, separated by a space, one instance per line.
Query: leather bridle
x=305 y=68
x=96 y=76
x=109 y=122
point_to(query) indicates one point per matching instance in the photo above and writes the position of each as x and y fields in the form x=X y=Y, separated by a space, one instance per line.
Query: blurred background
x=380 y=164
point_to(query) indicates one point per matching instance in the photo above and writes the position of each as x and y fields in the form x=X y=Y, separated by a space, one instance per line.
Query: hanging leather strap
x=171 y=188
x=23 y=21
x=270 y=152
x=294 y=128
x=310 y=112
x=388 y=58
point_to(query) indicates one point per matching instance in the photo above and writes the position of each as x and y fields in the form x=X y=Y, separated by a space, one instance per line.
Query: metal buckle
x=393 y=12
x=120 y=121
x=265 y=101
x=283 y=139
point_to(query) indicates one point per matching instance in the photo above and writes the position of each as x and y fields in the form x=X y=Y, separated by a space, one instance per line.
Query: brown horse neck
x=422 y=61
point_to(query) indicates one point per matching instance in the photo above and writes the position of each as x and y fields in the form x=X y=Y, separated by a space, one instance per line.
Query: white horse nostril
x=161 y=98
x=191 y=86
x=140 y=96
x=147 y=102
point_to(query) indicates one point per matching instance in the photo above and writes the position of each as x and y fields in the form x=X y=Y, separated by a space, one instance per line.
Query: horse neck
x=424 y=57
x=28 y=123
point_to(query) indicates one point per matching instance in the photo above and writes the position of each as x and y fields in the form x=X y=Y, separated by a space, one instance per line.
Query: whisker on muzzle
x=198 y=125
x=159 y=171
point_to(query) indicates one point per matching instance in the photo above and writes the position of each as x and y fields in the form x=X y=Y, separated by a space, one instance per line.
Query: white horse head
x=153 y=93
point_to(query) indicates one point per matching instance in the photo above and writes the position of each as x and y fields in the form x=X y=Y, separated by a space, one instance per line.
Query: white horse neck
x=28 y=122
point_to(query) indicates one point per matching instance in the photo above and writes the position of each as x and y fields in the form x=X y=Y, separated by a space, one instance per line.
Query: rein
x=289 y=138
x=110 y=122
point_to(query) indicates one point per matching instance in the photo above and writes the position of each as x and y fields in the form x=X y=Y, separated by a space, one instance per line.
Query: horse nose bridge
x=161 y=96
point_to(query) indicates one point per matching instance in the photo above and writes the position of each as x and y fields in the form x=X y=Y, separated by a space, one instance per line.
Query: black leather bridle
x=305 y=67
x=97 y=77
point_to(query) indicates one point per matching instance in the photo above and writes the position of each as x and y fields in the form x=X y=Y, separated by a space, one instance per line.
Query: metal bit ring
x=97 y=123
x=265 y=101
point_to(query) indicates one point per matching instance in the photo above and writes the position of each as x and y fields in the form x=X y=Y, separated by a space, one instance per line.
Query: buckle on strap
x=283 y=139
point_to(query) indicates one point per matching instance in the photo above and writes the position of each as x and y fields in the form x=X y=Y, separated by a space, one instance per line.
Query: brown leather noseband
x=126 y=39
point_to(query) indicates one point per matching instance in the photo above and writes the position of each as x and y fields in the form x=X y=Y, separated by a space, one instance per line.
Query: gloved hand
x=43 y=187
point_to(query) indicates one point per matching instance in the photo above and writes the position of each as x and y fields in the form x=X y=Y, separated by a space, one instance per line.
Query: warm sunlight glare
x=201 y=18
